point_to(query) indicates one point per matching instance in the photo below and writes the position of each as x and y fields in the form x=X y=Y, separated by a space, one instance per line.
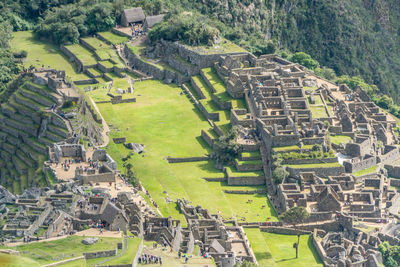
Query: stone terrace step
x=41 y=99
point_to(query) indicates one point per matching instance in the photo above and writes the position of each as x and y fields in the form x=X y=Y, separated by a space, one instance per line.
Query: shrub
x=187 y=27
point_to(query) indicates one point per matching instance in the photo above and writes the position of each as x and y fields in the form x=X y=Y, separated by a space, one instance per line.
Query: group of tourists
x=136 y=30
x=149 y=259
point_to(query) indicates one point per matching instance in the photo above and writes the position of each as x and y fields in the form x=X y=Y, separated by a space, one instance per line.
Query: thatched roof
x=151 y=20
x=217 y=246
x=109 y=213
x=135 y=14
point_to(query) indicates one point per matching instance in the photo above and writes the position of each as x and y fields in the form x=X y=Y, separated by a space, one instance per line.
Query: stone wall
x=248 y=167
x=246 y=180
x=283 y=230
x=391 y=153
x=188 y=159
x=197 y=89
x=209 y=140
x=147 y=68
x=308 y=161
x=393 y=171
x=360 y=165
x=321 y=172
x=196 y=58
x=100 y=254
x=96 y=178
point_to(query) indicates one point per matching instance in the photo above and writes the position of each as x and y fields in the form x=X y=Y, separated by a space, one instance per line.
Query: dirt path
x=106 y=129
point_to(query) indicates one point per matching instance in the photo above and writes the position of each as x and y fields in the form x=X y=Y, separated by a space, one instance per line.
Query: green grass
x=291 y=148
x=95 y=71
x=214 y=80
x=43 y=53
x=277 y=250
x=7 y=260
x=129 y=255
x=365 y=171
x=220 y=89
x=317 y=98
x=113 y=38
x=82 y=54
x=251 y=154
x=318 y=111
x=337 y=139
x=248 y=162
x=232 y=172
x=69 y=247
x=169 y=125
x=225 y=46
x=107 y=64
x=317 y=165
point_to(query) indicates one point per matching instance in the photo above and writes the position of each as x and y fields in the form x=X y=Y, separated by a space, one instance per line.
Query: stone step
x=40 y=99
x=26 y=158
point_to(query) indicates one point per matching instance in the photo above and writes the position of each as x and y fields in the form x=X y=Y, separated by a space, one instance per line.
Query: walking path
x=106 y=129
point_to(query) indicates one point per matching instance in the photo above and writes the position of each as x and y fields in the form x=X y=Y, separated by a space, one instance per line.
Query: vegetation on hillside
x=356 y=38
x=391 y=254
x=186 y=27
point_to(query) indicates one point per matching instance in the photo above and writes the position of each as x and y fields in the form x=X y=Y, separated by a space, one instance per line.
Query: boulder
x=90 y=240
x=138 y=148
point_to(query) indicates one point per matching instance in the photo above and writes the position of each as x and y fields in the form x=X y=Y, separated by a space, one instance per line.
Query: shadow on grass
x=209 y=167
x=314 y=251
x=260 y=256
x=204 y=144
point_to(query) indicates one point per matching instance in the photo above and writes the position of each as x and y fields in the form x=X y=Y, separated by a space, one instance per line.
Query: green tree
x=305 y=60
x=391 y=254
x=326 y=73
x=279 y=174
x=226 y=148
x=295 y=216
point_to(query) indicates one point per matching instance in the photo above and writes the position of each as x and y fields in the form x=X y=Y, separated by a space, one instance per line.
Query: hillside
x=355 y=37
x=359 y=37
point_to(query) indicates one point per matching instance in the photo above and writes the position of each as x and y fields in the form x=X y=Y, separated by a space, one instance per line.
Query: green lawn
x=7 y=260
x=58 y=250
x=43 y=53
x=113 y=38
x=277 y=250
x=225 y=46
x=317 y=98
x=82 y=54
x=318 y=111
x=168 y=124
x=337 y=139
x=365 y=171
x=214 y=79
x=129 y=255
x=251 y=154
x=291 y=148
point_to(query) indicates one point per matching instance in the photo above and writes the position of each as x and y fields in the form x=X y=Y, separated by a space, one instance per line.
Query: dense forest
x=353 y=37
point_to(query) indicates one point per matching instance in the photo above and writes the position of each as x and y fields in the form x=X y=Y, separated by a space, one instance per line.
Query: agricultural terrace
x=112 y=38
x=169 y=125
x=43 y=53
x=277 y=249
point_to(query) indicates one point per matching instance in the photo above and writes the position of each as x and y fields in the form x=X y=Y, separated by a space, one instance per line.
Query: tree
x=391 y=254
x=227 y=148
x=295 y=216
x=305 y=60
x=279 y=174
